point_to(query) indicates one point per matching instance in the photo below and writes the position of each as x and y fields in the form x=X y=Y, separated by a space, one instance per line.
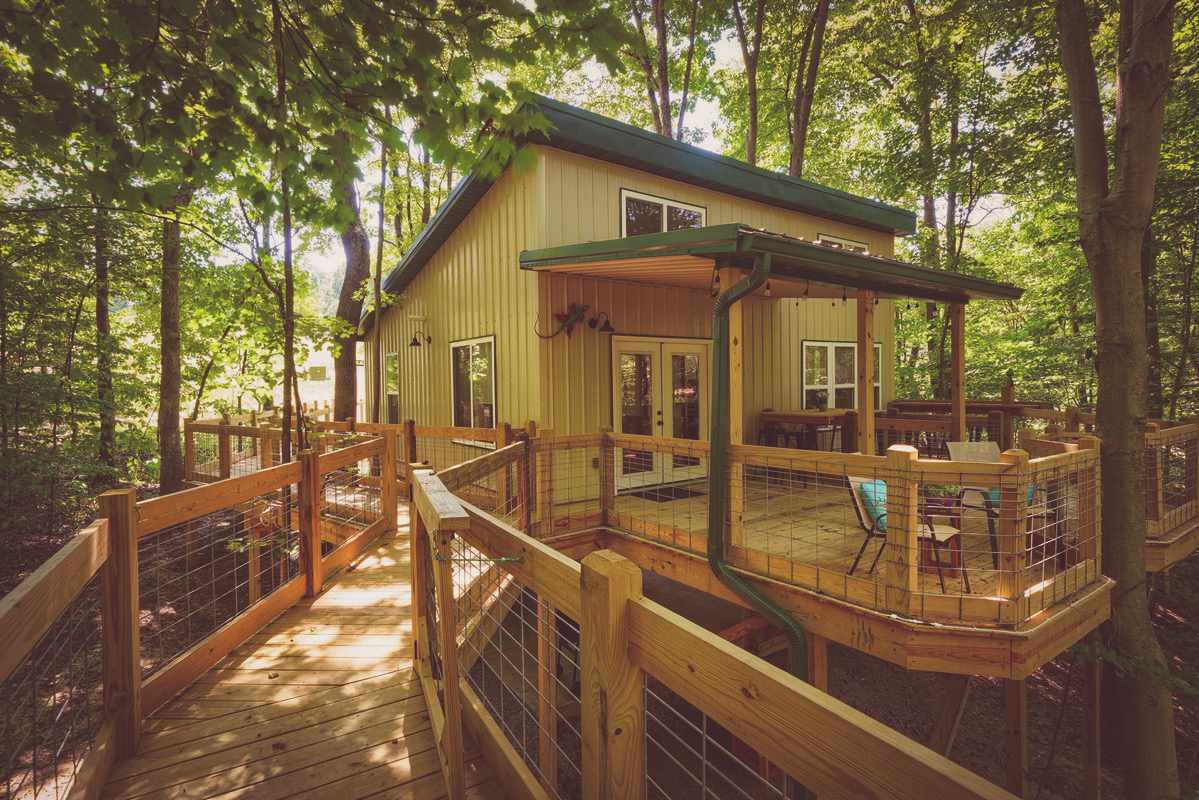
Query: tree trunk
x=104 y=397
x=170 y=453
x=805 y=87
x=687 y=70
x=355 y=243
x=1184 y=336
x=751 y=48
x=659 y=7
x=1112 y=229
x=289 y=289
x=1152 y=330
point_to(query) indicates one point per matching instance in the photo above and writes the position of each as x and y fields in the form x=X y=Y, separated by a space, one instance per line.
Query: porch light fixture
x=416 y=339
x=606 y=327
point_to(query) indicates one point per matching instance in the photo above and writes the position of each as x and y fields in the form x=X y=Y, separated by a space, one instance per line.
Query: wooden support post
x=902 y=558
x=547 y=694
x=1155 y=484
x=311 y=490
x=865 y=390
x=189 y=451
x=1016 y=736
x=418 y=559
x=1089 y=532
x=388 y=485
x=948 y=713
x=818 y=661
x=524 y=491
x=268 y=448
x=849 y=431
x=452 y=747
x=1092 y=764
x=253 y=423
x=957 y=370
x=544 y=526
x=729 y=278
x=736 y=509
x=503 y=486
x=120 y=612
x=408 y=453
x=225 y=448
x=1072 y=422
x=613 y=699
x=1013 y=502
x=607 y=476
x=1190 y=449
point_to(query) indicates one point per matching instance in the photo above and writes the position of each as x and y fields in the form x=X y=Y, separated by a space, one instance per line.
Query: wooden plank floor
x=322 y=702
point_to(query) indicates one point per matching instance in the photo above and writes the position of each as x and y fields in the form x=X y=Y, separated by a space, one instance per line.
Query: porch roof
x=799 y=268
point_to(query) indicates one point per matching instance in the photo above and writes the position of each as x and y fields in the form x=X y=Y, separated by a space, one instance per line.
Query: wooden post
x=818 y=661
x=524 y=493
x=503 y=487
x=1013 y=501
x=253 y=423
x=1092 y=765
x=1016 y=736
x=408 y=453
x=865 y=304
x=957 y=370
x=225 y=448
x=736 y=509
x=388 y=486
x=189 y=451
x=268 y=448
x=547 y=694
x=607 y=476
x=544 y=526
x=418 y=559
x=903 y=552
x=849 y=432
x=310 y=522
x=729 y=276
x=119 y=608
x=1072 y=423
x=1089 y=532
x=1155 y=484
x=451 y=734
x=613 y=700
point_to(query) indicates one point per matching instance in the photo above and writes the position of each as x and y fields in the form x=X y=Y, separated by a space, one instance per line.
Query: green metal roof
x=583 y=132
x=799 y=259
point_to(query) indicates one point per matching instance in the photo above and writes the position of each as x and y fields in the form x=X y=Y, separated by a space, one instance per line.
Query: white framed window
x=644 y=213
x=830 y=375
x=472 y=387
x=851 y=245
x=391 y=387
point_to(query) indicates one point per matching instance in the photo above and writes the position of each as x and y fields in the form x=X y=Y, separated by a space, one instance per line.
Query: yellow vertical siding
x=583 y=204
x=472 y=287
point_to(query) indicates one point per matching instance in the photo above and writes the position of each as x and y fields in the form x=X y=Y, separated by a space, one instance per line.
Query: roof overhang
x=799 y=268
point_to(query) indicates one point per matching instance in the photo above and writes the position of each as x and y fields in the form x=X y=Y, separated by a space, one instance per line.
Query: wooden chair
x=932 y=533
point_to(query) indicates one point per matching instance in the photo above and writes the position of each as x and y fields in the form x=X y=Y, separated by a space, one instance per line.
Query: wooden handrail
x=336 y=459
x=163 y=512
x=437 y=506
x=470 y=471
x=31 y=608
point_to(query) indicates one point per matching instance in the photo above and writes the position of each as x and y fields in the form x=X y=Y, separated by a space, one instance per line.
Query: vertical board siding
x=583 y=204
x=473 y=286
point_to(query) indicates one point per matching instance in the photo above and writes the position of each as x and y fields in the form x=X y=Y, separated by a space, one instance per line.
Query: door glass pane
x=815 y=398
x=844 y=398
x=461 y=382
x=816 y=366
x=482 y=384
x=678 y=218
x=641 y=216
x=845 y=365
x=636 y=407
x=684 y=402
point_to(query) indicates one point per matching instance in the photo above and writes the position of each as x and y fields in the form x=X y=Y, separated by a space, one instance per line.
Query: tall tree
x=1115 y=201
x=355 y=244
x=749 y=36
x=806 y=72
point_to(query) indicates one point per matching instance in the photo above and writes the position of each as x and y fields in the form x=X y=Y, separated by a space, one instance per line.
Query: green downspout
x=718 y=466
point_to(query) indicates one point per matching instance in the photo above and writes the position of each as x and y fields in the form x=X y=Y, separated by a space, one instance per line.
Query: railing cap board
x=336 y=459
x=470 y=471
x=439 y=508
x=160 y=513
x=31 y=608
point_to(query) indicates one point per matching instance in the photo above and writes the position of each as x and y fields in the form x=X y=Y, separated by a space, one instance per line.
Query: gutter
x=718 y=465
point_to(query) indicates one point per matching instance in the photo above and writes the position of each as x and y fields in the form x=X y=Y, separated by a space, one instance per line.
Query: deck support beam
x=1016 y=736
x=865 y=303
x=957 y=370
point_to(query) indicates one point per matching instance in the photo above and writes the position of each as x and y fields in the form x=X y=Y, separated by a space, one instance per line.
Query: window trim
x=664 y=202
x=831 y=345
x=851 y=244
x=494 y=361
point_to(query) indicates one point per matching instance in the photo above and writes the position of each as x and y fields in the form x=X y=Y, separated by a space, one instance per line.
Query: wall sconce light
x=606 y=327
x=416 y=339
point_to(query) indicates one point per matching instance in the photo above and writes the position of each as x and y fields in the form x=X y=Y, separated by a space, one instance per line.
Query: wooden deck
x=322 y=702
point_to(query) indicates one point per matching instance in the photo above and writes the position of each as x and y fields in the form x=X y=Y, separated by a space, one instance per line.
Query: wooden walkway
x=321 y=703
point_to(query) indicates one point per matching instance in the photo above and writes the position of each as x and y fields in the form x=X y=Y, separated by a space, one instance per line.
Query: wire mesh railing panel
x=350 y=500
x=568 y=485
x=690 y=756
x=245 y=458
x=207 y=461
x=521 y=658
x=441 y=448
x=197 y=575
x=661 y=492
x=1172 y=478
x=54 y=703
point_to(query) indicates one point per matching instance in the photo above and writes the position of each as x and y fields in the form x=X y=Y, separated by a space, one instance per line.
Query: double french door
x=659 y=388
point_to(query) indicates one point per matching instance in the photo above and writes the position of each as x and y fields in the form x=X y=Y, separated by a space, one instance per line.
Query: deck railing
x=930 y=539
x=574 y=684
x=142 y=602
